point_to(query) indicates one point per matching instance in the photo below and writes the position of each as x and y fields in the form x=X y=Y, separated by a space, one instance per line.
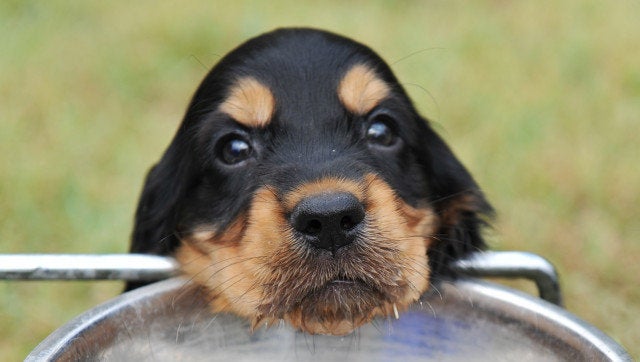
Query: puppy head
x=302 y=185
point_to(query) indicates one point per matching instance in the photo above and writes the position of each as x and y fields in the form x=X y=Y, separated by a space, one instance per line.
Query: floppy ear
x=155 y=218
x=165 y=184
x=459 y=203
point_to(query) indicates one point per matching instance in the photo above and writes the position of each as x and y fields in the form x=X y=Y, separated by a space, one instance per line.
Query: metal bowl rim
x=54 y=345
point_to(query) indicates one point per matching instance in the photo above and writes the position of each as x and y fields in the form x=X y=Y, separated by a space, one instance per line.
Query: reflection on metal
x=465 y=320
x=513 y=264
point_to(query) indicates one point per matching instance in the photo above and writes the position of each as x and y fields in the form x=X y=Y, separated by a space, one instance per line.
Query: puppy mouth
x=343 y=282
x=343 y=297
x=342 y=287
x=352 y=295
x=346 y=286
x=337 y=307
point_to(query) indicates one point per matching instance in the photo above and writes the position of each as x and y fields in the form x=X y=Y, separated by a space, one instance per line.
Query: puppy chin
x=331 y=319
x=338 y=308
x=330 y=327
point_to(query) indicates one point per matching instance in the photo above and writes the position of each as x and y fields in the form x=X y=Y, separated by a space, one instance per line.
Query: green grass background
x=540 y=99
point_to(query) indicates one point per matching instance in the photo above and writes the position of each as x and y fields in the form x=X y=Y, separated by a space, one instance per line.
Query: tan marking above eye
x=249 y=102
x=361 y=89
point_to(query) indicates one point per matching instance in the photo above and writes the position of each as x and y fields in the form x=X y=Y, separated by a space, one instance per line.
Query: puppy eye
x=380 y=131
x=235 y=150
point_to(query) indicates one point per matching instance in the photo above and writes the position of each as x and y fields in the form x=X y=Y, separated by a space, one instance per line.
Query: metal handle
x=514 y=264
x=136 y=267
x=130 y=267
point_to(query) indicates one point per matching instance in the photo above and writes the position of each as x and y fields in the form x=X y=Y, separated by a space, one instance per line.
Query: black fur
x=311 y=135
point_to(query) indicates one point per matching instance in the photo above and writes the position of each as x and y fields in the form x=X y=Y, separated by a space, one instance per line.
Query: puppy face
x=303 y=186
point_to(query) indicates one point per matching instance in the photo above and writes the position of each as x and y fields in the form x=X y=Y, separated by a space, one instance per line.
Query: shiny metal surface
x=514 y=264
x=466 y=320
x=132 y=267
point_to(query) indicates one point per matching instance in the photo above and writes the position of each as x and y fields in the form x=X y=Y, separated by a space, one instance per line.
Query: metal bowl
x=459 y=321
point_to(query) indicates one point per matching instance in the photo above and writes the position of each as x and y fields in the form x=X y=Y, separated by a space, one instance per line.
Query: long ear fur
x=155 y=218
x=459 y=202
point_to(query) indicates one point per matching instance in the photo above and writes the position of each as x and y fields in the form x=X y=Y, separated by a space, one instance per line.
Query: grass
x=540 y=99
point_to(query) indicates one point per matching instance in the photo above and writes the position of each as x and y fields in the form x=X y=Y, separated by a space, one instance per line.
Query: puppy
x=303 y=186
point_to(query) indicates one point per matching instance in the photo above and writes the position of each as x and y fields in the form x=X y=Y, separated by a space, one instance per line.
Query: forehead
x=253 y=103
x=302 y=75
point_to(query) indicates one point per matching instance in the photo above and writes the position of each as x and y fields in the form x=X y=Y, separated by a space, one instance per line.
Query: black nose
x=328 y=221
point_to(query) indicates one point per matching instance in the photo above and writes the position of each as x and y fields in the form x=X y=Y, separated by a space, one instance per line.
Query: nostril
x=313 y=228
x=347 y=223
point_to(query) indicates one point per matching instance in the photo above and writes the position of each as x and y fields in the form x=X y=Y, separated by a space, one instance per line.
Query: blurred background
x=541 y=100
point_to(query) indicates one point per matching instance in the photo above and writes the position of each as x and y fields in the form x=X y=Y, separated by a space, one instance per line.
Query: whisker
x=423 y=50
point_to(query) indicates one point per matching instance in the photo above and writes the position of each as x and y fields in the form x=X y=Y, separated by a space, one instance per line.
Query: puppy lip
x=340 y=284
x=346 y=282
x=343 y=281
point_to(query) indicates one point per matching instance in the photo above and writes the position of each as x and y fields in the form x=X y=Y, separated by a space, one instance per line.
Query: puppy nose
x=328 y=221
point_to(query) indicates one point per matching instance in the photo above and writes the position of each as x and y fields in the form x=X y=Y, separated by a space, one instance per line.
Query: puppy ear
x=155 y=218
x=460 y=204
x=165 y=184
